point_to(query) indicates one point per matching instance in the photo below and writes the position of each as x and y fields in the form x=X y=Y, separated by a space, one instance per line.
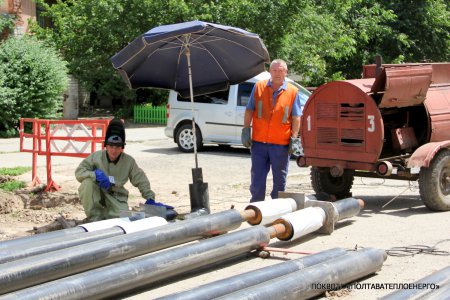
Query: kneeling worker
x=103 y=175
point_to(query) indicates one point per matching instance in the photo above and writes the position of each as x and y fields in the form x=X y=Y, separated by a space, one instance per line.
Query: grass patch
x=9 y=184
x=12 y=185
x=16 y=171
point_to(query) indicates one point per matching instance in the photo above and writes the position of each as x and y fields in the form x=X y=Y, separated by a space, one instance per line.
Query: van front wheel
x=185 y=138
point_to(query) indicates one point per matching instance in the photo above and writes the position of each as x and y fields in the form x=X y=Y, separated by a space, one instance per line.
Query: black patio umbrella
x=192 y=58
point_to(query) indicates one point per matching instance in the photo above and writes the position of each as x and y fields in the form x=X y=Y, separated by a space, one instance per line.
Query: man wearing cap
x=103 y=175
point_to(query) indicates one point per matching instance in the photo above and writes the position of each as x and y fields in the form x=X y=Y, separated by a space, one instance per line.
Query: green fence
x=150 y=114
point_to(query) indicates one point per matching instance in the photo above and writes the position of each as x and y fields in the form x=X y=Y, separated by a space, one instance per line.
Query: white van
x=219 y=116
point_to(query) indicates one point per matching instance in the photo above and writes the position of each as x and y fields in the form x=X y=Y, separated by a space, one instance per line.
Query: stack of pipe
x=139 y=271
x=122 y=276
x=35 y=269
x=81 y=234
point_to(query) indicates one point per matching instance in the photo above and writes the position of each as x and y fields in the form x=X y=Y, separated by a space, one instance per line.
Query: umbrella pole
x=188 y=56
x=198 y=190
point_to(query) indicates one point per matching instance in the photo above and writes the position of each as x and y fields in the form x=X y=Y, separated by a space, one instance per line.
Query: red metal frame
x=41 y=133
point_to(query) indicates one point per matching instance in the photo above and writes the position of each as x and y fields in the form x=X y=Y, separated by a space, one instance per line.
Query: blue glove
x=102 y=179
x=150 y=201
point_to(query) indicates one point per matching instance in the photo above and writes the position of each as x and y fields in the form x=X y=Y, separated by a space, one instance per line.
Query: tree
x=32 y=79
x=89 y=32
x=321 y=40
x=426 y=24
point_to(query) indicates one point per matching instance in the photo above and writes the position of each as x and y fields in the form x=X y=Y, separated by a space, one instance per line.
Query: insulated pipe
x=315 y=280
x=302 y=222
x=140 y=271
x=269 y=210
x=121 y=226
x=41 y=268
x=228 y=285
x=319 y=215
x=64 y=233
x=440 y=278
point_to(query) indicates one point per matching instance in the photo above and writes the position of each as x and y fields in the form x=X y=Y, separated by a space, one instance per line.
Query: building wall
x=23 y=9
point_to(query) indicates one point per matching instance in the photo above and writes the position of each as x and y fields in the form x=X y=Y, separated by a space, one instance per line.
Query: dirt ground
x=393 y=216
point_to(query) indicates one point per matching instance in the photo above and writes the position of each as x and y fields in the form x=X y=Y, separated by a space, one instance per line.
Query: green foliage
x=12 y=185
x=6 y=24
x=16 y=171
x=321 y=40
x=425 y=26
x=32 y=80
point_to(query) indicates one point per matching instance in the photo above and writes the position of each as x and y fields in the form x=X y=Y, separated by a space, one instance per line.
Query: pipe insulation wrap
x=302 y=222
x=140 y=271
x=309 y=282
x=142 y=224
x=269 y=210
x=347 y=208
x=228 y=285
x=41 y=268
x=99 y=225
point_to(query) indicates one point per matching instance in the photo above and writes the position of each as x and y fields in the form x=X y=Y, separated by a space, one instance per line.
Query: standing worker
x=274 y=111
x=103 y=175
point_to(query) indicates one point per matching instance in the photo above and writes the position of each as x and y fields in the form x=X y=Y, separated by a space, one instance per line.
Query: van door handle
x=228 y=113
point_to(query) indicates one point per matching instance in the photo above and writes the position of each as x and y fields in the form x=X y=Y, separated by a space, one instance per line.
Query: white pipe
x=302 y=222
x=143 y=224
x=269 y=210
x=99 y=225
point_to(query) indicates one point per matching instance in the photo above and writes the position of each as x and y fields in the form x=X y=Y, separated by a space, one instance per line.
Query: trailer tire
x=322 y=181
x=434 y=182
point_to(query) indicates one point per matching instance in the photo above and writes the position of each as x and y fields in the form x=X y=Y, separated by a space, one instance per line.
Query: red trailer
x=393 y=123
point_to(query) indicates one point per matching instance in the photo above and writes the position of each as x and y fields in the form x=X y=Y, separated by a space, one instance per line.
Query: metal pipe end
x=281 y=229
x=248 y=214
x=252 y=215
x=361 y=203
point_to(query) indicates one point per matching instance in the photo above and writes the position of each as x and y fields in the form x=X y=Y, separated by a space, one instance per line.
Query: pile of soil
x=24 y=212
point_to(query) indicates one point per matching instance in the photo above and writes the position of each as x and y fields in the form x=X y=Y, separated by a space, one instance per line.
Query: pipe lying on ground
x=315 y=280
x=318 y=215
x=120 y=226
x=228 y=285
x=41 y=268
x=140 y=271
x=28 y=241
x=433 y=286
x=23 y=241
x=269 y=210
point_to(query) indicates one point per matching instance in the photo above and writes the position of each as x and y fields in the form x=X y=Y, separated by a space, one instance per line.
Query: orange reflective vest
x=272 y=124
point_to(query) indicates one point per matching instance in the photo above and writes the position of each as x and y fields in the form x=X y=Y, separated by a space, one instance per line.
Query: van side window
x=220 y=97
x=244 y=91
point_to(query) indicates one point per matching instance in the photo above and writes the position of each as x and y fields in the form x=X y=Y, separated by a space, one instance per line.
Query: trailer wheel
x=434 y=182
x=322 y=181
x=185 y=138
